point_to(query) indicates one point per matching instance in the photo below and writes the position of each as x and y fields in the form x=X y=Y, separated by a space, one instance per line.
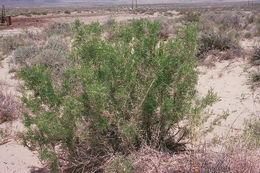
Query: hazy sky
x=100 y=2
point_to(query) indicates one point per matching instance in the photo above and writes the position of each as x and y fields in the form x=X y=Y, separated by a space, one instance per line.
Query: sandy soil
x=229 y=79
x=15 y=158
x=6 y=78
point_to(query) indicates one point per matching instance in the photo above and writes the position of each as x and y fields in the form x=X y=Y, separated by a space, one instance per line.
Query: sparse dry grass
x=199 y=160
x=9 y=107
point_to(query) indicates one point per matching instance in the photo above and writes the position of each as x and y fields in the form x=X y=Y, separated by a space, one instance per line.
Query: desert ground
x=232 y=73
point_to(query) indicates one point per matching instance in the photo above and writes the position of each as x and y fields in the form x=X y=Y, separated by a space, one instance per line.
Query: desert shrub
x=110 y=23
x=24 y=54
x=36 y=13
x=33 y=35
x=9 y=108
x=141 y=10
x=56 y=43
x=44 y=13
x=51 y=58
x=248 y=35
x=215 y=41
x=10 y=43
x=258 y=26
x=250 y=19
x=57 y=29
x=192 y=17
x=228 y=20
x=255 y=77
x=66 y=12
x=256 y=56
x=53 y=55
x=115 y=95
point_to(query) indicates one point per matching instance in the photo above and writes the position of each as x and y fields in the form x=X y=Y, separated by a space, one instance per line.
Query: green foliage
x=198 y=118
x=115 y=95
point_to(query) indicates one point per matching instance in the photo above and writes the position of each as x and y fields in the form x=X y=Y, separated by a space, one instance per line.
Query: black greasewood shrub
x=215 y=41
x=114 y=95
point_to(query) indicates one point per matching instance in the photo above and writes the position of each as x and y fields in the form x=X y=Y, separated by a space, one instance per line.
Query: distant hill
x=100 y=2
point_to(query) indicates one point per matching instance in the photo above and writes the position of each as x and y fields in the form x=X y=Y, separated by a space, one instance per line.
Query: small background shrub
x=67 y=12
x=215 y=41
x=192 y=17
x=256 y=57
x=248 y=35
x=9 y=108
x=57 y=29
x=10 y=43
x=23 y=55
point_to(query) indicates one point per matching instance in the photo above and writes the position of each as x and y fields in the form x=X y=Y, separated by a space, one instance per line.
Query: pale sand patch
x=229 y=79
x=250 y=44
x=6 y=78
x=15 y=158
